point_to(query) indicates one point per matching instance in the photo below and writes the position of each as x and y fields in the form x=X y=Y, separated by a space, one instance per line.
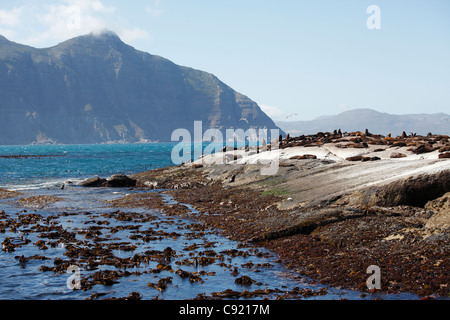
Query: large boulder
x=92 y=182
x=441 y=208
x=413 y=191
x=120 y=181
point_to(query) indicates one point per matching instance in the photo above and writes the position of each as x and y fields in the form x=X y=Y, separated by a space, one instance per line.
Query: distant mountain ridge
x=374 y=121
x=97 y=89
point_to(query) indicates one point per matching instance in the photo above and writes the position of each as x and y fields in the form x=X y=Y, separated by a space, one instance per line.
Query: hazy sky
x=311 y=58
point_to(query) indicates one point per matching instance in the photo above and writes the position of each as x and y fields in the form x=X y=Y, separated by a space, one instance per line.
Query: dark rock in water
x=120 y=181
x=93 y=182
x=444 y=155
x=115 y=181
x=244 y=280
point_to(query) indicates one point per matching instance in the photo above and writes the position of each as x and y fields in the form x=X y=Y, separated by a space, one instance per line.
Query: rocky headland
x=97 y=89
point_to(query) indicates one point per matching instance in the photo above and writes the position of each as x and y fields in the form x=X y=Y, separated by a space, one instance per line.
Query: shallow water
x=27 y=281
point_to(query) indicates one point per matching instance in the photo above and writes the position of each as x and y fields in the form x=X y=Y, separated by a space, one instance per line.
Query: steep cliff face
x=96 y=89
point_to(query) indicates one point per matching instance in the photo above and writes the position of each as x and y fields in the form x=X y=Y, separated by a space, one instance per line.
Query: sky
x=298 y=59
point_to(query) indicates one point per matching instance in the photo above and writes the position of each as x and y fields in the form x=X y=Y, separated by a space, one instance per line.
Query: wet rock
x=444 y=155
x=38 y=202
x=92 y=182
x=244 y=280
x=5 y=194
x=134 y=296
x=120 y=181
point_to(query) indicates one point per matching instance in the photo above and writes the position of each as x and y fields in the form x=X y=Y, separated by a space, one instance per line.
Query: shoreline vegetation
x=339 y=203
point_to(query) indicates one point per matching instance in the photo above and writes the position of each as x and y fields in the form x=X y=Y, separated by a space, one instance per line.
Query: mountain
x=374 y=121
x=97 y=89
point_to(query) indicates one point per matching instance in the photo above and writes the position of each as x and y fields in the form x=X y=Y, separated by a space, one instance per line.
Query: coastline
x=355 y=215
x=325 y=217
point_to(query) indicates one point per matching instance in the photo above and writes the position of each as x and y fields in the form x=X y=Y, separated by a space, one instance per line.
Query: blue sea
x=42 y=170
x=77 y=162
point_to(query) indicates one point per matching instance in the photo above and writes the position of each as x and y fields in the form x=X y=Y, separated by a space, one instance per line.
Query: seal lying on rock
x=444 y=155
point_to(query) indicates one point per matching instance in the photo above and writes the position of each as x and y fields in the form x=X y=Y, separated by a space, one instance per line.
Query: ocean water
x=76 y=162
x=23 y=171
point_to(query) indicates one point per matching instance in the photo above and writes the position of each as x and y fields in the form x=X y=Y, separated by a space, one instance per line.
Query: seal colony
x=340 y=202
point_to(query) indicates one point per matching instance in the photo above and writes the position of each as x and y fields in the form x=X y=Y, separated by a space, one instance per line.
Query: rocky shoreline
x=331 y=244
x=330 y=212
x=328 y=219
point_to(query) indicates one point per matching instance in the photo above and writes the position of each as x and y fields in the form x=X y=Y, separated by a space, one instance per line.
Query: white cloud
x=9 y=34
x=11 y=18
x=73 y=18
x=66 y=19
x=133 y=34
x=343 y=107
x=99 y=7
x=274 y=112
x=154 y=9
